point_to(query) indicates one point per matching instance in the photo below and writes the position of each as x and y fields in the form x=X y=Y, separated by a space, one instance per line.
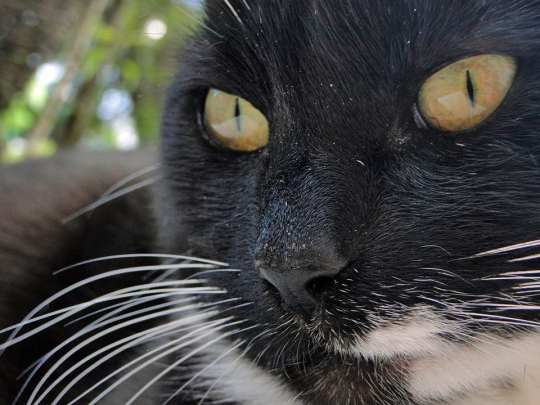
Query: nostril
x=301 y=283
x=271 y=287
x=319 y=285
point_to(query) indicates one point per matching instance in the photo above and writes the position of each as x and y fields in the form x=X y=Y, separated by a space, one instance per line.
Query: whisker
x=138 y=256
x=213 y=271
x=507 y=249
x=511 y=278
x=184 y=358
x=168 y=273
x=44 y=316
x=149 y=289
x=128 y=338
x=447 y=273
x=12 y=338
x=512 y=307
x=127 y=179
x=162 y=333
x=99 y=322
x=199 y=22
x=142 y=337
x=109 y=198
x=246 y=4
x=226 y=371
x=158 y=296
x=153 y=359
x=83 y=306
x=89 y=329
x=522 y=259
x=125 y=305
x=233 y=11
x=533 y=285
x=97 y=336
x=513 y=273
x=502 y=319
x=198 y=374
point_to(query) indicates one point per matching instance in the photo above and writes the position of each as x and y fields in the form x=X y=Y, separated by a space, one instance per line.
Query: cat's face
x=352 y=181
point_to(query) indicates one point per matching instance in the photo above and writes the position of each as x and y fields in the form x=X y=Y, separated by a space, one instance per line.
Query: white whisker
x=161 y=333
x=198 y=374
x=507 y=249
x=246 y=4
x=127 y=179
x=233 y=11
x=153 y=359
x=512 y=307
x=533 y=285
x=89 y=329
x=166 y=274
x=12 y=339
x=122 y=306
x=502 y=319
x=134 y=340
x=512 y=278
x=522 y=259
x=97 y=336
x=199 y=22
x=109 y=198
x=184 y=358
x=515 y=273
x=139 y=256
x=99 y=322
x=227 y=370
x=37 y=364
x=212 y=271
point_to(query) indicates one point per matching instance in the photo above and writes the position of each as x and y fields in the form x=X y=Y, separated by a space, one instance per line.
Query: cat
x=355 y=187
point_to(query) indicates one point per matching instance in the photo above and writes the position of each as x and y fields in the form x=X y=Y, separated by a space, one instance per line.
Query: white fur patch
x=486 y=371
x=237 y=378
x=479 y=369
x=417 y=336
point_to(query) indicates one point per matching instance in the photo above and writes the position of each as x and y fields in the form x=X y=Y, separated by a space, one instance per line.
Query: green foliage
x=18 y=118
x=123 y=56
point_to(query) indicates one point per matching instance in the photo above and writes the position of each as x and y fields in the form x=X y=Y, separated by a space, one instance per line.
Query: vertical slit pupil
x=470 y=88
x=237 y=115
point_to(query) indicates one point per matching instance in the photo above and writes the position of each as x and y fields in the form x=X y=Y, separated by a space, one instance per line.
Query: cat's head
x=356 y=222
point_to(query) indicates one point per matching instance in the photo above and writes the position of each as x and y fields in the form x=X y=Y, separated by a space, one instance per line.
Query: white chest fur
x=487 y=371
x=491 y=372
x=234 y=377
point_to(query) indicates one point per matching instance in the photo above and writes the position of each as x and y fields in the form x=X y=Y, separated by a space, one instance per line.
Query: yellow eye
x=465 y=93
x=234 y=123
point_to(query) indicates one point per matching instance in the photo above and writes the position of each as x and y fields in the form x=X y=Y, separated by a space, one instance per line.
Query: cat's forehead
x=480 y=23
x=309 y=43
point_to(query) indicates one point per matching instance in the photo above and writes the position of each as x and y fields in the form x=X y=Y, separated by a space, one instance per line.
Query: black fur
x=348 y=171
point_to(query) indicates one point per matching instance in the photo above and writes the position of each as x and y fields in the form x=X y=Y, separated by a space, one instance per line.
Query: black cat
x=368 y=170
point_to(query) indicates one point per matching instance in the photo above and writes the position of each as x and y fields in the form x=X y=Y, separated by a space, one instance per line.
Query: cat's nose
x=301 y=281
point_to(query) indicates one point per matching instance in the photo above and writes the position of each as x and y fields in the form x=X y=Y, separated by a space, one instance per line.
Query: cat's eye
x=465 y=93
x=234 y=123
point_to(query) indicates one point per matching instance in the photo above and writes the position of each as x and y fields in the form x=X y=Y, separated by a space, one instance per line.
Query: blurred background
x=86 y=73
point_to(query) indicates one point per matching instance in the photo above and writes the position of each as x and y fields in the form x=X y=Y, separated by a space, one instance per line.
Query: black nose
x=299 y=282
